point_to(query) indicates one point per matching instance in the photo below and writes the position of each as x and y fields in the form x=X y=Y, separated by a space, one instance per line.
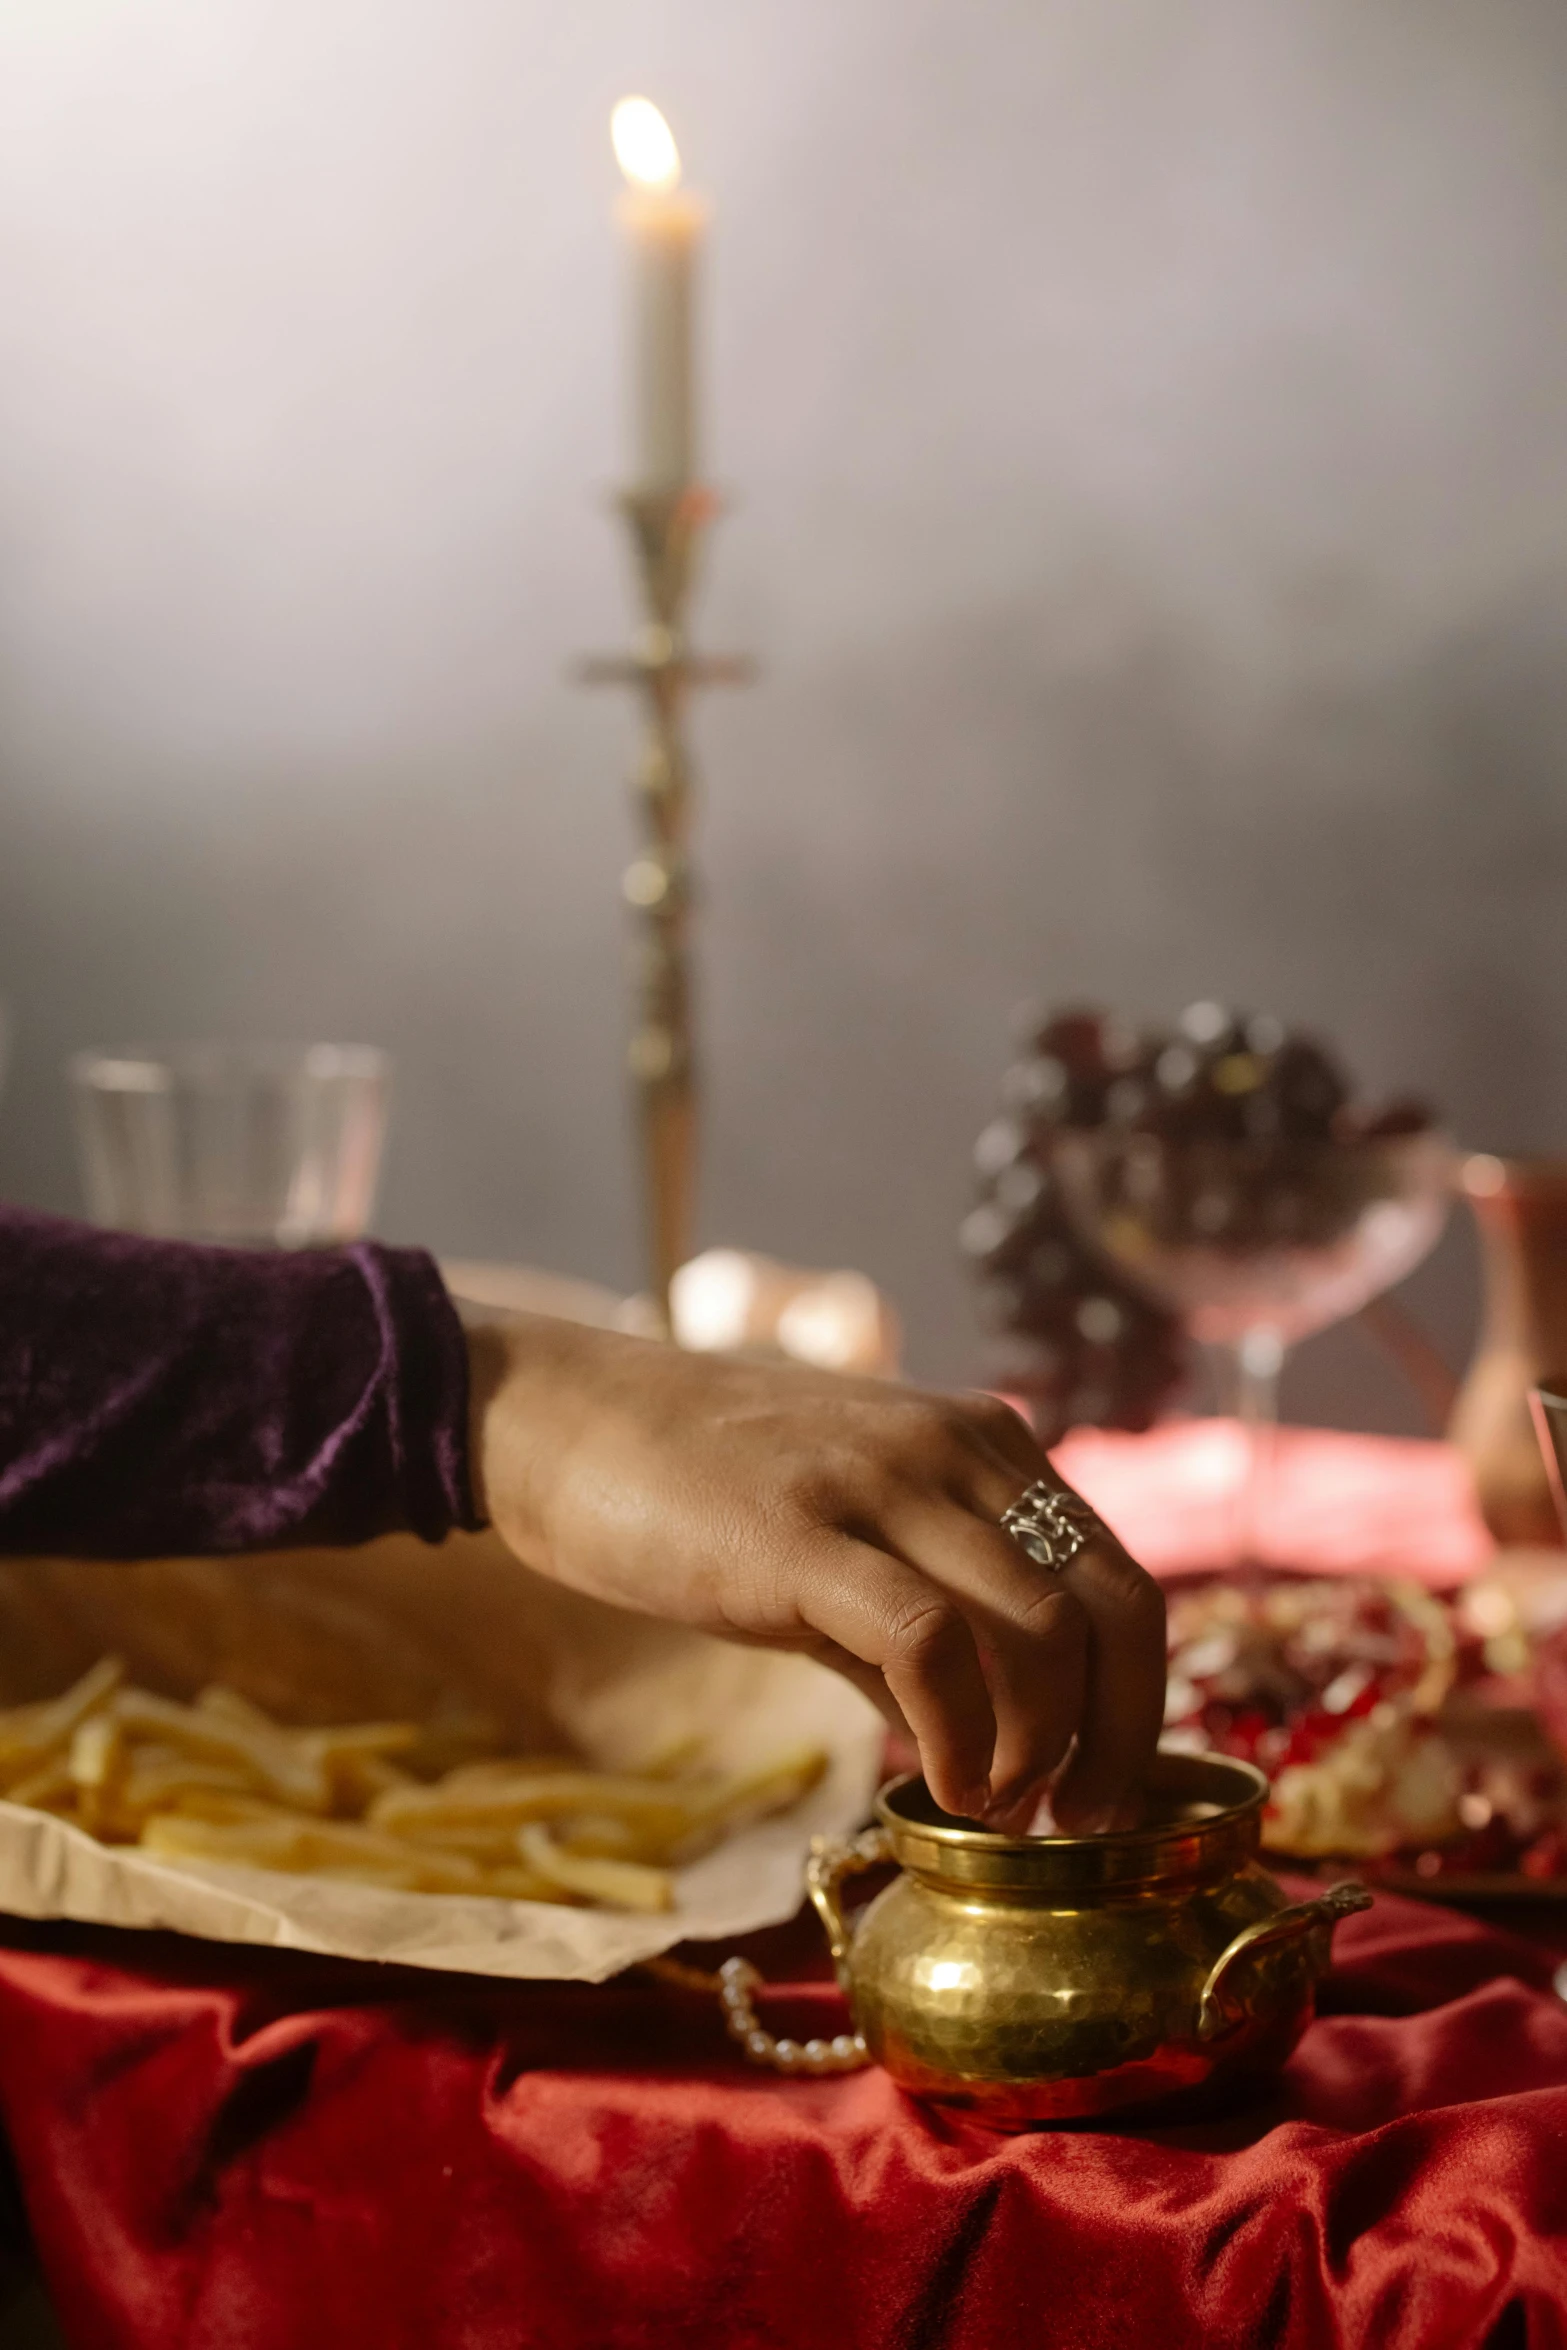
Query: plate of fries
x=663 y=1786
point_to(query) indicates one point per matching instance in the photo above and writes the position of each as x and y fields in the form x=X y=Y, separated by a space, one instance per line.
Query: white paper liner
x=397 y=1628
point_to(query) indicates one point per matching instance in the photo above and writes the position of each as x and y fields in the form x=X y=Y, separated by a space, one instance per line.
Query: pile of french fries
x=220 y=1780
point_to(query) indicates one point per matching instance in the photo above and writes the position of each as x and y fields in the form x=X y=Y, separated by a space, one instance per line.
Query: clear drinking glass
x=257 y=1146
x=1256 y=1245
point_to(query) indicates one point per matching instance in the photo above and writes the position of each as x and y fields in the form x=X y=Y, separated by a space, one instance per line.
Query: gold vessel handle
x=830 y=1862
x=1222 y=2005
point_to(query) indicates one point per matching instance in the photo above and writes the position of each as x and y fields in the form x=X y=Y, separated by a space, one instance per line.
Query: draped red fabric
x=238 y=2150
x=232 y=2149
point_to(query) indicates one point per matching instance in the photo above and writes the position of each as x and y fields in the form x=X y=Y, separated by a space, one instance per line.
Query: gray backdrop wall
x=1147 y=419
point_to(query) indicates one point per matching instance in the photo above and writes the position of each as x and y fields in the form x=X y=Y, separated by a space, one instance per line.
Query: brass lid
x=1205 y=1821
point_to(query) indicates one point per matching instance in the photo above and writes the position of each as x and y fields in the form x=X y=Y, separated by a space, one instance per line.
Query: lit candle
x=664 y=223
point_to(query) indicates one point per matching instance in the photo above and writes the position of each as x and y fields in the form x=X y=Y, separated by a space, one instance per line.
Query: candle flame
x=644 y=144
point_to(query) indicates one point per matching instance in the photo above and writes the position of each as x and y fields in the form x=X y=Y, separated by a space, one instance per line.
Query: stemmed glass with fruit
x=1221 y=1177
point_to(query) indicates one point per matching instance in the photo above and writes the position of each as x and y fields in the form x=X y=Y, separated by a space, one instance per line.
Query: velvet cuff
x=161 y=1398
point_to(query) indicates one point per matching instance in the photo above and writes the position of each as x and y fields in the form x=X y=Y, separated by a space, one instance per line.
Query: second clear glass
x=248 y=1145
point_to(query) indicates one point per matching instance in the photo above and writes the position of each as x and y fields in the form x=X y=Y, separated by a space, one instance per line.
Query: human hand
x=850 y=1519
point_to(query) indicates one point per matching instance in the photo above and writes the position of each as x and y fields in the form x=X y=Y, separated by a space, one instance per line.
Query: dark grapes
x=1072 y=1338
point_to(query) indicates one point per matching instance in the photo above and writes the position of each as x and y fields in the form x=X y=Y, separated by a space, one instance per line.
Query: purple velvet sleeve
x=160 y=1398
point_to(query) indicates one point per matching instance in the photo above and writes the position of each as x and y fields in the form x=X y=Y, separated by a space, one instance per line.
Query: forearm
x=161 y=1398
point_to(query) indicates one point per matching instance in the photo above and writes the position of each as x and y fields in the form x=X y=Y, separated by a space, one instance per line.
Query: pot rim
x=1216 y=1830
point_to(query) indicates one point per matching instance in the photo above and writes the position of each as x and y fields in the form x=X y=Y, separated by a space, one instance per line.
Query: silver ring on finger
x=1050 y=1525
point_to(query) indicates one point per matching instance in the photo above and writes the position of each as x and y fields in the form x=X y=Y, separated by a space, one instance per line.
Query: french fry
x=598 y=1835
x=94 y=1751
x=230 y=1705
x=221 y=1806
x=370 y=1738
x=513 y=1881
x=660 y=1811
x=276 y=1762
x=244 y=1833
x=163 y=1766
x=94 y=1761
x=31 y=1732
x=503 y=1770
x=356 y=1762
x=160 y=1778
x=491 y=1846
x=354 y=1756
x=619 y=1884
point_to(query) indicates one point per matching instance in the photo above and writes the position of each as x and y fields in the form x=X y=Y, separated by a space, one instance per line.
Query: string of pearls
x=738 y=1984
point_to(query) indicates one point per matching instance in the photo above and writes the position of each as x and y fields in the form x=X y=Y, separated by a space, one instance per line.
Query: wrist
x=502 y=1422
x=525 y=1381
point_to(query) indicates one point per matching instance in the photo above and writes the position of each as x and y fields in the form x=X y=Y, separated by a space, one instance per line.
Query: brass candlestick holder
x=667 y=528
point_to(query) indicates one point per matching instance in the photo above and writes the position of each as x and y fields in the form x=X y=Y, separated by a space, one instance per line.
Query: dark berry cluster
x=1228 y=1077
x=1078 y=1344
x=1237 y=1135
x=1244 y=1138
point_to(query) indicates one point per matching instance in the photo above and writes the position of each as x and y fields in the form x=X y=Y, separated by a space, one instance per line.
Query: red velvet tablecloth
x=233 y=2150
x=227 y=2149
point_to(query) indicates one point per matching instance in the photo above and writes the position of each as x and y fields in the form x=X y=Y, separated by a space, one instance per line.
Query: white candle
x=664 y=224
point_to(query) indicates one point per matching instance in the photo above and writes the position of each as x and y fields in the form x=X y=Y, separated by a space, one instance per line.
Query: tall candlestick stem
x=667 y=528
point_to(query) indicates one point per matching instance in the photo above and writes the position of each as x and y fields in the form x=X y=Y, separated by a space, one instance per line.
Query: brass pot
x=1042 y=1978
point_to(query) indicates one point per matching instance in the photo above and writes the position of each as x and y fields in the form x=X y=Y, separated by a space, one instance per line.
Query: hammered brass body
x=1038 y=1979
